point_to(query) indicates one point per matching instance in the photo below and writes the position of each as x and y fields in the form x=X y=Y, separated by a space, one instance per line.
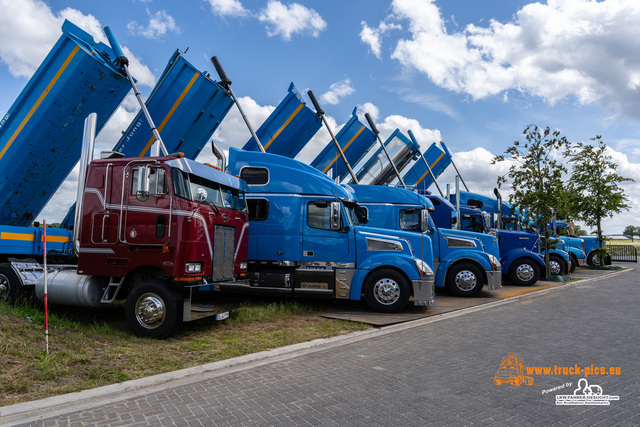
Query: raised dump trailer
x=186 y=106
x=40 y=136
x=288 y=128
x=418 y=175
x=377 y=170
x=354 y=139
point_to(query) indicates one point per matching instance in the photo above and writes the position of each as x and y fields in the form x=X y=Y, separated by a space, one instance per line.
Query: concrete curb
x=77 y=401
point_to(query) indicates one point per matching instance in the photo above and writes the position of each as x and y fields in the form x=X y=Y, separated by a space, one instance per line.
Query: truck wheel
x=593 y=259
x=524 y=273
x=465 y=280
x=574 y=262
x=557 y=265
x=10 y=288
x=387 y=291
x=153 y=310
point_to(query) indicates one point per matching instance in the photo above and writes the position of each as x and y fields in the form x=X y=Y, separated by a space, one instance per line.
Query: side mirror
x=142 y=190
x=201 y=195
x=336 y=218
x=424 y=220
x=362 y=214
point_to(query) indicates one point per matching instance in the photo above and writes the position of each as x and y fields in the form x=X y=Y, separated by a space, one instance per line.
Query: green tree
x=630 y=231
x=594 y=185
x=536 y=177
x=579 y=231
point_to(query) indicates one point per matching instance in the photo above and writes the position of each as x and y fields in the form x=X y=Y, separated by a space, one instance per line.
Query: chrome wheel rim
x=524 y=272
x=386 y=291
x=150 y=311
x=554 y=267
x=466 y=280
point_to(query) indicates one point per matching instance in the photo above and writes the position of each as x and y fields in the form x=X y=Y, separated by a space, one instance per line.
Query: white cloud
x=368 y=107
x=337 y=91
x=160 y=23
x=578 y=49
x=286 y=21
x=371 y=36
x=34 y=28
x=227 y=7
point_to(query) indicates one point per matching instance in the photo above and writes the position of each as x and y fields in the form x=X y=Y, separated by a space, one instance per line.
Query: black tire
x=10 y=288
x=154 y=309
x=387 y=291
x=524 y=272
x=573 y=260
x=594 y=260
x=557 y=265
x=465 y=280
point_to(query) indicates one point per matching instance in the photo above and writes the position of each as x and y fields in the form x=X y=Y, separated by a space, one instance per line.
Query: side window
x=410 y=219
x=255 y=176
x=319 y=216
x=475 y=204
x=258 y=209
x=157 y=181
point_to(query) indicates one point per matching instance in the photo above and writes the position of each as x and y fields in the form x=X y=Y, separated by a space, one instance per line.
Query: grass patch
x=91 y=348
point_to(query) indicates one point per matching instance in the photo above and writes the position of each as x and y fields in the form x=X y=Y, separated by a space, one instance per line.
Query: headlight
x=495 y=262
x=193 y=267
x=243 y=265
x=423 y=267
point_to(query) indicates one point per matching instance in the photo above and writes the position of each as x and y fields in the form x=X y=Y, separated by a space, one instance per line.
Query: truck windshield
x=350 y=209
x=218 y=195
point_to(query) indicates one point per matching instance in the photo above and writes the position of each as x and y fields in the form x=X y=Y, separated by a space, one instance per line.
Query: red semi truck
x=151 y=230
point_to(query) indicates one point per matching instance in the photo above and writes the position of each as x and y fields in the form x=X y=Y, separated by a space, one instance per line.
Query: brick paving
x=437 y=371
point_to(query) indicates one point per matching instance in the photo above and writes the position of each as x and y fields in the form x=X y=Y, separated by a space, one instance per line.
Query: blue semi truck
x=306 y=239
x=463 y=261
x=519 y=250
x=494 y=207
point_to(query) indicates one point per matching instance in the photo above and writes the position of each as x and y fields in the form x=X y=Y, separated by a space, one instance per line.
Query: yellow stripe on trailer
x=170 y=113
x=425 y=174
x=39 y=101
x=24 y=237
x=343 y=150
x=17 y=236
x=284 y=125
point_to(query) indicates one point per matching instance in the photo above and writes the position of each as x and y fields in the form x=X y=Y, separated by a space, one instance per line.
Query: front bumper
x=494 y=279
x=424 y=290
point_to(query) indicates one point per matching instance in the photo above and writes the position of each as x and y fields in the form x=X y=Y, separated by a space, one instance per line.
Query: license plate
x=222 y=316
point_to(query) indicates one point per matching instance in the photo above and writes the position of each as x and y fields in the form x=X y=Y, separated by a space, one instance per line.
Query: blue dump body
x=41 y=135
x=185 y=105
x=377 y=170
x=418 y=176
x=289 y=127
x=355 y=139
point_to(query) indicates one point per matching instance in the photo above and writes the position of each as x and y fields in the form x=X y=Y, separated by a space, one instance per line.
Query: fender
x=507 y=259
x=579 y=253
x=562 y=253
x=455 y=257
x=397 y=261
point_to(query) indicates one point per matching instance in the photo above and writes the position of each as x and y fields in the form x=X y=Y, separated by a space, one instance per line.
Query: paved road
x=432 y=372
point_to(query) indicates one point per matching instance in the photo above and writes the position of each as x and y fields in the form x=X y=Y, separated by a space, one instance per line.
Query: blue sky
x=473 y=74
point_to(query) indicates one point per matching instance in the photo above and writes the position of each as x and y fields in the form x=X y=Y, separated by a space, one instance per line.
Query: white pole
x=46 y=312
